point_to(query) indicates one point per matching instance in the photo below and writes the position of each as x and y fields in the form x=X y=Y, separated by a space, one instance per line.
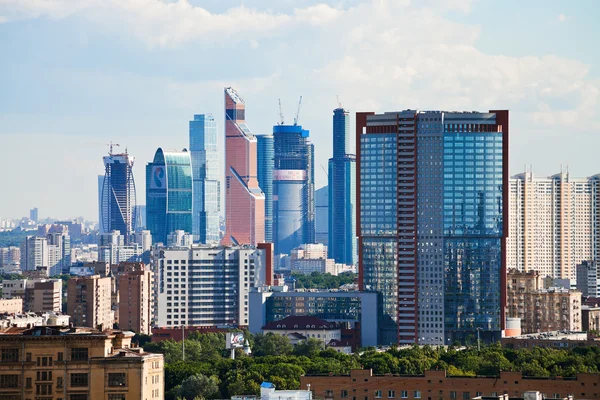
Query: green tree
x=309 y=347
x=198 y=386
x=271 y=345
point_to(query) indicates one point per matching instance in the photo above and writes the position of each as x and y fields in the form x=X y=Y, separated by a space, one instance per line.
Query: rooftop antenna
x=298 y=112
x=281 y=122
x=339 y=102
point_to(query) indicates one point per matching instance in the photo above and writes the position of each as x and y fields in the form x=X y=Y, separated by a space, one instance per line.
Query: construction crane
x=110 y=147
x=339 y=102
x=298 y=112
x=324 y=170
x=281 y=122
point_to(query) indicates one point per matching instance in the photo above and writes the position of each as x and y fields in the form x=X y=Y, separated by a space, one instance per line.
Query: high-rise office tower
x=342 y=192
x=322 y=216
x=140 y=216
x=169 y=194
x=554 y=223
x=265 y=180
x=432 y=202
x=205 y=172
x=293 y=188
x=33 y=214
x=100 y=186
x=117 y=205
x=244 y=200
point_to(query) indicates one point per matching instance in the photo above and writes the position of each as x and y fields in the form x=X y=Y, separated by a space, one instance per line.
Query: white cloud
x=3 y=19
x=562 y=17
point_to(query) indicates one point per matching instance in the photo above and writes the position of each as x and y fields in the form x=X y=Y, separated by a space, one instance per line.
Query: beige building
x=39 y=295
x=54 y=363
x=89 y=301
x=541 y=310
x=135 y=300
x=554 y=223
x=11 y=306
x=312 y=257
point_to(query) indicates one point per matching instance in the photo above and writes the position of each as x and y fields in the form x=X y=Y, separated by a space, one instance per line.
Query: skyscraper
x=265 y=180
x=431 y=215
x=554 y=223
x=322 y=216
x=342 y=192
x=33 y=214
x=244 y=200
x=34 y=253
x=205 y=172
x=169 y=194
x=293 y=188
x=117 y=205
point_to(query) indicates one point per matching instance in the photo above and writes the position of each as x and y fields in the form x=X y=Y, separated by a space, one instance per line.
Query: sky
x=77 y=74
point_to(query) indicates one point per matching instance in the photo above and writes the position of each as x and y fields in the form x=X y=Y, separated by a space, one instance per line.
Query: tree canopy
x=317 y=280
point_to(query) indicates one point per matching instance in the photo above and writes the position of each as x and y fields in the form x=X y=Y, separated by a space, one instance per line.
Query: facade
x=265 y=162
x=431 y=205
x=34 y=254
x=39 y=295
x=89 y=301
x=244 y=200
x=306 y=326
x=438 y=385
x=309 y=258
x=118 y=200
x=140 y=213
x=358 y=310
x=179 y=239
x=30 y=319
x=342 y=192
x=77 y=364
x=11 y=306
x=541 y=310
x=553 y=340
x=10 y=258
x=169 y=194
x=206 y=179
x=206 y=286
x=588 y=278
x=590 y=319
x=322 y=216
x=554 y=223
x=135 y=301
x=59 y=252
x=293 y=188
x=33 y=214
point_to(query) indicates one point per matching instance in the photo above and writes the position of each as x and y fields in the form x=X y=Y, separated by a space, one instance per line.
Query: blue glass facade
x=169 y=194
x=293 y=188
x=206 y=183
x=342 y=193
x=265 y=160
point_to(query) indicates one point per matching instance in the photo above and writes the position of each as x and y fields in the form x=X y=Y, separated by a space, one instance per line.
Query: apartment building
x=135 y=300
x=554 y=223
x=55 y=363
x=541 y=310
x=11 y=306
x=89 y=301
x=39 y=295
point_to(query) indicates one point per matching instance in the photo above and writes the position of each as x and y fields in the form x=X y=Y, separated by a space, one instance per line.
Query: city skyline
x=73 y=80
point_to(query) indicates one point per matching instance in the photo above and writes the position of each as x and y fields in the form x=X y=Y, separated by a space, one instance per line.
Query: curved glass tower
x=169 y=194
x=117 y=198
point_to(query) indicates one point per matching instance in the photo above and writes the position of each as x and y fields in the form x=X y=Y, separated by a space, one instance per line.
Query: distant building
x=293 y=188
x=144 y=239
x=355 y=310
x=179 y=239
x=307 y=326
x=89 y=302
x=244 y=200
x=59 y=252
x=541 y=310
x=590 y=319
x=342 y=192
x=135 y=301
x=39 y=295
x=554 y=340
x=30 y=319
x=140 y=216
x=268 y=392
x=85 y=363
x=206 y=285
x=33 y=214
x=34 y=254
x=265 y=162
x=11 y=306
x=588 y=278
x=112 y=248
x=206 y=178
x=10 y=259
x=539 y=211
x=309 y=258
x=118 y=197
x=169 y=194
x=322 y=215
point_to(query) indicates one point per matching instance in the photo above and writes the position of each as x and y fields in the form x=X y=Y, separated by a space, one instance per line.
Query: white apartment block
x=204 y=285
x=554 y=223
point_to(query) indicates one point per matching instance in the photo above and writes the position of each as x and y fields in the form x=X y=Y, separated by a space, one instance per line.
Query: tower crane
x=110 y=147
x=298 y=112
x=281 y=122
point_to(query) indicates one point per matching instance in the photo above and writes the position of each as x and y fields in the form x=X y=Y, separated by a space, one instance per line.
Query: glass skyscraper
x=117 y=198
x=293 y=188
x=342 y=192
x=206 y=184
x=432 y=197
x=169 y=194
x=265 y=179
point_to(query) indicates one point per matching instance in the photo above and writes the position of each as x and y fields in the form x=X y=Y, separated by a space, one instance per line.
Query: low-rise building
x=556 y=340
x=30 y=319
x=588 y=278
x=11 y=306
x=312 y=257
x=309 y=327
x=438 y=385
x=55 y=363
x=590 y=319
x=39 y=295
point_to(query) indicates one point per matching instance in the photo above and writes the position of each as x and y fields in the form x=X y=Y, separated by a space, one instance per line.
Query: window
x=417 y=394
x=9 y=381
x=391 y=394
x=79 y=380
x=44 y=376
x=79 y=354
x=28 y=357
x=404 y=394
x=452 y=395
x=43 y=389
x=27 y=382
x=60 y=356
x=378 y=394
x=117 y=379
x=81 y=396
x=59 y=382
x=344 y=394
x=10 y=355
x=329 y=393
x=466 y=395
x=116 y=396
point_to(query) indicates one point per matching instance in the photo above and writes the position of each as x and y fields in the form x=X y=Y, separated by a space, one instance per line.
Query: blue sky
x=75 y=75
